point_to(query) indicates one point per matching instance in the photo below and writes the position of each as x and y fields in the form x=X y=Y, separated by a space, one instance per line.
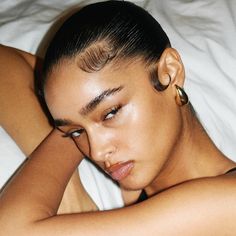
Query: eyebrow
x=62 y=122
x=90 y=106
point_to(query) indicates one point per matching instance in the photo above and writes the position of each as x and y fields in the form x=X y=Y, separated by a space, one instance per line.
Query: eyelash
x=113 y=111
x=71 y=134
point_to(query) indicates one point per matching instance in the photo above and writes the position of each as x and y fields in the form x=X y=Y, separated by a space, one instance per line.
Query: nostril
x=108 y=155
x=102 y=153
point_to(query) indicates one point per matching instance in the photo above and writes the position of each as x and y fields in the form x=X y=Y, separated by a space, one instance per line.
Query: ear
x=171 y=68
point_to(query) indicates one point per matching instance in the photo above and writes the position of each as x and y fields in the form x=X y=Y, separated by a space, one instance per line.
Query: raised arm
x=21 y=114
x=23 y=118
x=31 y=200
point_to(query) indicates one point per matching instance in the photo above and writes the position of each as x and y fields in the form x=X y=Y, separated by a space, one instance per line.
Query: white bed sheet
x=203 y=31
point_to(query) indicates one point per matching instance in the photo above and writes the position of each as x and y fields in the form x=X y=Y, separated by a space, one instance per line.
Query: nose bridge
x=100 y=144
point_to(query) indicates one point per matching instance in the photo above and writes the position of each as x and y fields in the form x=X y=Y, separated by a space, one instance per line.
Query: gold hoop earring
x=181 y=97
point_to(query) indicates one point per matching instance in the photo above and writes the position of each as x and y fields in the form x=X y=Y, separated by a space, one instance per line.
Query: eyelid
x=109 y=111
x=69 y=134
x=64 y=134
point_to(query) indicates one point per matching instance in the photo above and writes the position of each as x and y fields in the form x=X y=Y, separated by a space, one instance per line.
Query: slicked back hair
x=104 y=32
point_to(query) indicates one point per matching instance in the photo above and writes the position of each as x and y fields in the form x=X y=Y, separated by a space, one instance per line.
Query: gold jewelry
x=181 y=97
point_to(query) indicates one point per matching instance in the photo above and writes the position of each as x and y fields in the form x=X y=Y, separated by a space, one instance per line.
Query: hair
x=104 y=32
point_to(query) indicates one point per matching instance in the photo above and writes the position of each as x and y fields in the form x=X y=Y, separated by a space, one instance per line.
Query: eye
x=111 y=113
x=74 y=134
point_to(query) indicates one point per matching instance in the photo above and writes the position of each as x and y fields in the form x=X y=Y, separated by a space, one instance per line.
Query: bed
x=204 y=33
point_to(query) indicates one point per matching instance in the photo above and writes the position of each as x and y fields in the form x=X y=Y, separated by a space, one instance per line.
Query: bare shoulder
x=16 y=55
x=205 y=206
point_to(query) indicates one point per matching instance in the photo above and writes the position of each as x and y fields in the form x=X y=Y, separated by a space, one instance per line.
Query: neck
x=194 y=156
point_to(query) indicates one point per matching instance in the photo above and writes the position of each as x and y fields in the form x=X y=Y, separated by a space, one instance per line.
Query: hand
x=75 y=198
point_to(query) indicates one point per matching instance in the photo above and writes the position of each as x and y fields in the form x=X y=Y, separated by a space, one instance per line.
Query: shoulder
x=205 y=206
x=17 y=55
x=211 y=183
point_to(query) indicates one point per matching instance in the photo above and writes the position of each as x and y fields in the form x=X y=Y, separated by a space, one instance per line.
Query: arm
x=23 y=118
x=21 y=114
x=197 y=207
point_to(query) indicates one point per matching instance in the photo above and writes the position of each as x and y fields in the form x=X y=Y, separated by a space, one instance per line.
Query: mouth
x=120 y=170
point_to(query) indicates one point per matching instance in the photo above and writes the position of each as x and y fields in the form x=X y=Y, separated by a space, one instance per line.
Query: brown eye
x=113 y=111
x=74 y=134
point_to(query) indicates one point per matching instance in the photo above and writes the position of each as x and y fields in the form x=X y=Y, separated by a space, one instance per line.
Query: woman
x=114 y=86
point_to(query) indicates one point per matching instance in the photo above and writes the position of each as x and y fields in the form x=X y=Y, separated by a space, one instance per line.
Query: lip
x=120 y=170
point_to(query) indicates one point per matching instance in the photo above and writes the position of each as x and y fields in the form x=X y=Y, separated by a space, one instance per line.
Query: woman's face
x=116 y=118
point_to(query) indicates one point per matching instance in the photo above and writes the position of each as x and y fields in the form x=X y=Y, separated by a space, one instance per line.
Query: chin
x=133 y=184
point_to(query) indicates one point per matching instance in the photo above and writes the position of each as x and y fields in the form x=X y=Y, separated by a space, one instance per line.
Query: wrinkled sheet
x=204 y=33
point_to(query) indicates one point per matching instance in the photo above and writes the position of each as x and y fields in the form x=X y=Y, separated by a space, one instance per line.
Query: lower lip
x=122 y=172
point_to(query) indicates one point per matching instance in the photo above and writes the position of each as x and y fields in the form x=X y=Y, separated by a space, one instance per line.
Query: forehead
x=69 y=86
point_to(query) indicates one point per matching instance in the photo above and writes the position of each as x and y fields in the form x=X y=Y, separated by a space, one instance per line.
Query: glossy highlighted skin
x=112 y=88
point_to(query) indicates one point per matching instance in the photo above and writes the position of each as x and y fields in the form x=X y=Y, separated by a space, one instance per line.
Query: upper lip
x=116 y=166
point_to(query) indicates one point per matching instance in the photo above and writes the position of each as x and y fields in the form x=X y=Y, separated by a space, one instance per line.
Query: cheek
x=136 y=135
x=152 y=130
x=167 y=131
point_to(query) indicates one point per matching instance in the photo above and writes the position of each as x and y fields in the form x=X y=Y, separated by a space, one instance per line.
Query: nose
x=101 y=147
